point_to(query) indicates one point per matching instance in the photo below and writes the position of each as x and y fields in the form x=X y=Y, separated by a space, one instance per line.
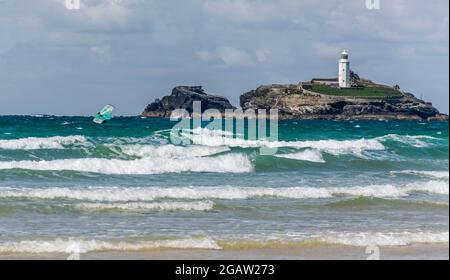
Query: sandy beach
x=413 y=252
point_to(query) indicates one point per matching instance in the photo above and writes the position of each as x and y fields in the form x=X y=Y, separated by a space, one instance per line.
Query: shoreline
x=328 y=252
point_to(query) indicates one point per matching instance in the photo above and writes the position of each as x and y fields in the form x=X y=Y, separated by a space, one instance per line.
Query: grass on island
x=358 y=92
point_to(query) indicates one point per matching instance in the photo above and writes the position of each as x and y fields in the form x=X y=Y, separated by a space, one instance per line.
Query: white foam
x=334 y=147
x=156 y=206
x=69 y=246
x=171 y=151
x=306 y=155
x=35 y=143
x=202 y=136
x=414 y=141
x=229 y=163
x=356 y=239
x=433 y=174
x=121 y=194
x=435 y=187
x=384 y=239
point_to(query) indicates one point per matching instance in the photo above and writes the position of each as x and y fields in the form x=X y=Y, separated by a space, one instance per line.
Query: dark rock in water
x=297 y=102
x=183 y=97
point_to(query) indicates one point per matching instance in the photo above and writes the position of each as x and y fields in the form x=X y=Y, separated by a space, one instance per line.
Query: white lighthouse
x=344 y=71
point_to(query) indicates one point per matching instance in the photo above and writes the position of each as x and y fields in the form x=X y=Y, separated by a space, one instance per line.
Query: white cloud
x=237 y=10
x=233 y=57
x=170 y=39
x=324 y=49
x=225 y=56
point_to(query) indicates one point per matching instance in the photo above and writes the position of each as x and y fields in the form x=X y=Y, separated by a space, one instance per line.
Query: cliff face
x=182 y=97
x=295 y=102
x=298 y=102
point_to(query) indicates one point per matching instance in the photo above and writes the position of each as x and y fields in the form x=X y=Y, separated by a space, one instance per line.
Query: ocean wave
x=384 y=239
x=70 y=246
x=306 y=155
x=415 y=141
x=35 y=143
x=356 y=239
x=334 y=147
x=120 y=194
x=156 y=206
x=229 y=163
x=207 y=137
x=170 y=151
x=435 y=187
x=433 y=174
x=363 y=202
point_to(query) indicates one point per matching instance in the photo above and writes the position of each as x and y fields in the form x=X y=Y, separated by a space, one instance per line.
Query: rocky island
x=346 y=97
x=317 y=101
x=183 y=97
x=308 y=100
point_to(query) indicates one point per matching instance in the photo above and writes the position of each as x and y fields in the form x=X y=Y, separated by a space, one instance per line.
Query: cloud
x=226 y=56
x=145 y=47
x=236 y=10
x=327 y=50
x=232 y=56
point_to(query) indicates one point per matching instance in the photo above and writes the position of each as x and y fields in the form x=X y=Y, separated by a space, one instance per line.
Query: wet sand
x=413 y=252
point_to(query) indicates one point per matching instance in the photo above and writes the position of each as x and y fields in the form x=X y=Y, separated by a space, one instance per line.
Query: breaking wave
x=306 y=155
x=415 y=141
x=120 y=194
x=334 y=147
x=34 y=143
x=356 y=239
x=207 y=137
x=69 y=246
x=156 y=206
x=170 y=151
x=432 y=174
x=385 y=239
x=229 y=163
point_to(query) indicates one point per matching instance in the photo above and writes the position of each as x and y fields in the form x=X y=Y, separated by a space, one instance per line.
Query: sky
x=55 y=60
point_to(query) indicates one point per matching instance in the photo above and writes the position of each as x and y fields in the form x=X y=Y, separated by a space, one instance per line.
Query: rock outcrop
x=296 y=102
x=183 y=97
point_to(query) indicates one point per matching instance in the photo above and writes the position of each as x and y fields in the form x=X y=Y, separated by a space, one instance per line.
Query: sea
x=69 y=185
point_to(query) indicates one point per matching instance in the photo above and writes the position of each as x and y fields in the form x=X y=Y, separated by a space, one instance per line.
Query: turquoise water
x=125 y=185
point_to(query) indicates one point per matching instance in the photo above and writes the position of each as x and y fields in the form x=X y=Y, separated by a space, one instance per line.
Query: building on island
x=344 y=79
x=344 y=71
x=324 y=81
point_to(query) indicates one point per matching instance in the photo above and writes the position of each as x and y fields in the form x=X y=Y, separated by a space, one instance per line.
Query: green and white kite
x=104 y=115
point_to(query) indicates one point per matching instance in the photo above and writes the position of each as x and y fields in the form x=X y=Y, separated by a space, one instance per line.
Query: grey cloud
x=128 y=52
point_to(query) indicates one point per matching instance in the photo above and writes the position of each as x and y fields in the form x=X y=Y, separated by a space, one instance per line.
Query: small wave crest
x=432 y=174
x=120 y=194
x=170 y=151
x=412 y=140
x=356 y=239
x=156 y=206
x=213 y=138
x=385 y=239
x=35 y=143
x=68 y=246
x=306 y=155
x=229 y=163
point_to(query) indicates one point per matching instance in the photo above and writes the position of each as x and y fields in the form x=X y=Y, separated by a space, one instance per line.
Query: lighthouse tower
x=344 y=71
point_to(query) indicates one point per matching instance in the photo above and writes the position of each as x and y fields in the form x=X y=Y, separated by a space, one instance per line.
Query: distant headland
x=346 y=97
